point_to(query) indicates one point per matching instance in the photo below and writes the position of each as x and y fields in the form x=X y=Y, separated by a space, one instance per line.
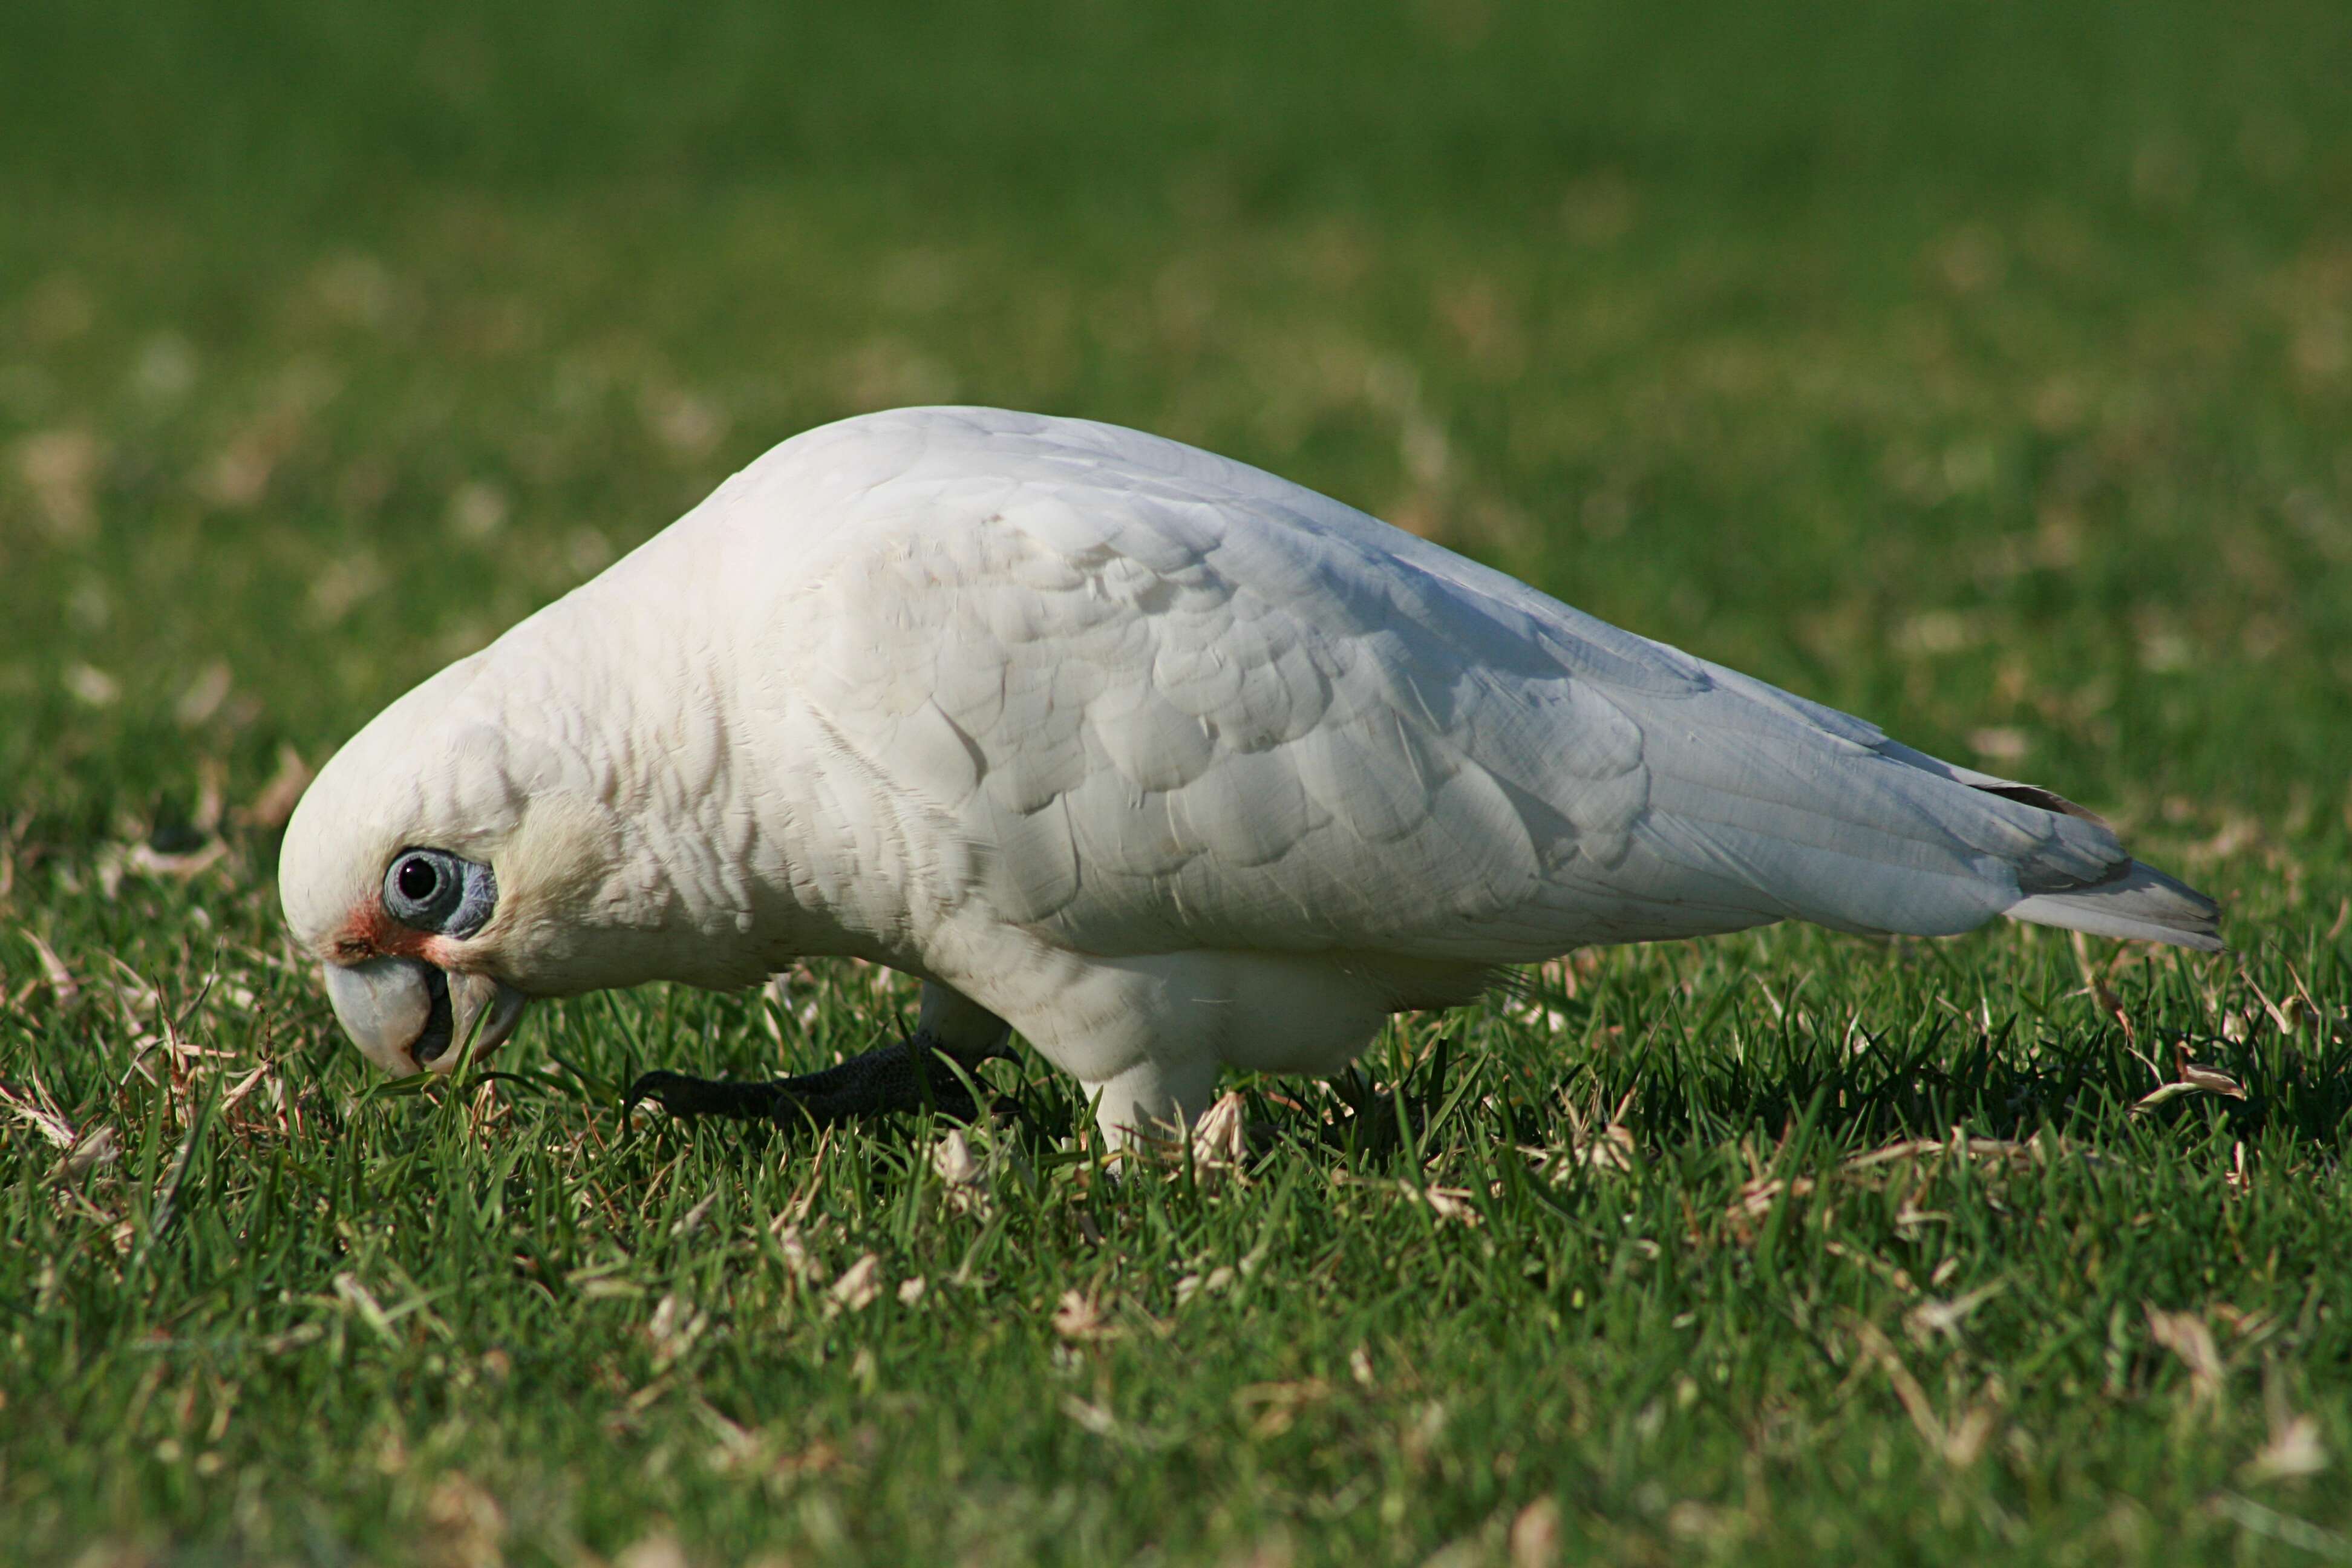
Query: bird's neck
x=750 y=836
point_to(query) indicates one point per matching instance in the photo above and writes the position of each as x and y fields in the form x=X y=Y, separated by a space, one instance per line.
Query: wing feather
x=1186 y=704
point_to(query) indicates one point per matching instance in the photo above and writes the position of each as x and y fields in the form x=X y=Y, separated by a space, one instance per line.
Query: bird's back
x=1157 y=700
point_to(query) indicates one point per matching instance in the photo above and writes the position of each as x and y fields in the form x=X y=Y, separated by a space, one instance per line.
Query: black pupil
x=418 y=879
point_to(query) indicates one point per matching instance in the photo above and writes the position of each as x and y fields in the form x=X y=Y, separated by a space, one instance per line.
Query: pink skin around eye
x=370 y=932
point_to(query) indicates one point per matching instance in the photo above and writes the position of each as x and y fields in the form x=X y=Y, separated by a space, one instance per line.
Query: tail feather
x=2140 y=902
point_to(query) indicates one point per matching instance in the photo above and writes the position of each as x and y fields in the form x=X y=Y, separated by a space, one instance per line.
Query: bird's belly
x=1096 y=1017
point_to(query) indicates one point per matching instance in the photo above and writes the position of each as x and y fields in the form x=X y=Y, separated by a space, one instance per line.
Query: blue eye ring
x=432 y=889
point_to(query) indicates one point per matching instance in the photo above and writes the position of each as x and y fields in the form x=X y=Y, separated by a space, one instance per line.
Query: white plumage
x=1167 y=761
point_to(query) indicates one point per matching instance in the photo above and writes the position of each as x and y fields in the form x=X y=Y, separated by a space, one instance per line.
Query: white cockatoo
x=1167 y=763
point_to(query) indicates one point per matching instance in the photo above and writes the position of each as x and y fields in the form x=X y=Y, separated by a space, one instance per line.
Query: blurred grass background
x=1985 y=369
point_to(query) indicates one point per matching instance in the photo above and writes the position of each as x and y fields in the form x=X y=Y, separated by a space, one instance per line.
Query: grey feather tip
x=2140 y=904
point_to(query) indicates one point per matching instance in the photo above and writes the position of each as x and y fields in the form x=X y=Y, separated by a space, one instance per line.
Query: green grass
x=1987 y=370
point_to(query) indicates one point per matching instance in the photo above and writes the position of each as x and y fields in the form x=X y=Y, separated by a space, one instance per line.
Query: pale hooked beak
x=408 y=1017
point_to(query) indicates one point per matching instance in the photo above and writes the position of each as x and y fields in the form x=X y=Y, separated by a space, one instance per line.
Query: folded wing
x=1173 y=702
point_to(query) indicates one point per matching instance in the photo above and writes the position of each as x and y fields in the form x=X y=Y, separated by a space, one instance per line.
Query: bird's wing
x=1178 y=703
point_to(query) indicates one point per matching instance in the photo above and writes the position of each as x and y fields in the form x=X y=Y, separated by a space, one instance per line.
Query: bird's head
x=447 y=866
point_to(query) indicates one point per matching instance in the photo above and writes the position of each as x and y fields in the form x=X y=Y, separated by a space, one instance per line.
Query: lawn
x=1984 y=370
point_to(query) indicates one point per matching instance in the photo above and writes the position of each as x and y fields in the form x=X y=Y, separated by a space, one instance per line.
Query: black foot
x=912 y=1074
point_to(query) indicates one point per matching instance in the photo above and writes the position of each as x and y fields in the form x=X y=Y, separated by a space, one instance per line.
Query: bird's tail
x=2139 y=901
x=2132 y=901
x=1913 y=843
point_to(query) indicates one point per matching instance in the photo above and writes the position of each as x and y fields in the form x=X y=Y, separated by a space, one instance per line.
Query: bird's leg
x=1152 y=1102
x=911 y=1075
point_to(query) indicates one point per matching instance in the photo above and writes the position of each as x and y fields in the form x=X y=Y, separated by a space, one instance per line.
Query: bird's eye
x=432 y=889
